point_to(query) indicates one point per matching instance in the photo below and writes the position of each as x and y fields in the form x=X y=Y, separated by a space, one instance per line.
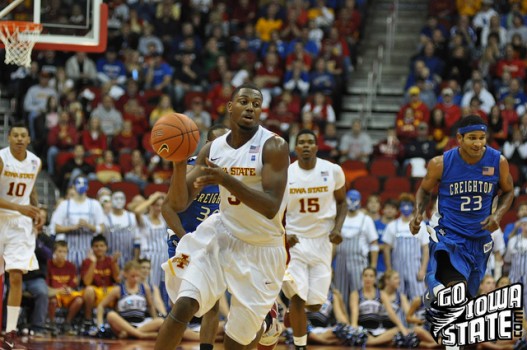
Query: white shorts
x=210 y=261
x=308 y=274
x=17 y=243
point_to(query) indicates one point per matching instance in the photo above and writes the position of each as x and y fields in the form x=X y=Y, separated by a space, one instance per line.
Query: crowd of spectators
x=184 y=56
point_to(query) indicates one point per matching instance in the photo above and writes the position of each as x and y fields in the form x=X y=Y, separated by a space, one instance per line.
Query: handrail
x=391 y=28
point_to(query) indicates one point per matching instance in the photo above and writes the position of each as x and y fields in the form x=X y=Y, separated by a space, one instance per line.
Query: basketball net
x=19 y=39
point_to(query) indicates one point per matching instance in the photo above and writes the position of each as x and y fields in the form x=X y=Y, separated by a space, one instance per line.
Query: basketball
x=174 y=137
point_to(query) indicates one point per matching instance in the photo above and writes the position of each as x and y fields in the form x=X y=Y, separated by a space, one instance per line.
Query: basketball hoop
x=19 y=38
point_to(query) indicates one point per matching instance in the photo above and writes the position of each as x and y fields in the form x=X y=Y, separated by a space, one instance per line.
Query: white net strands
x=19 y=39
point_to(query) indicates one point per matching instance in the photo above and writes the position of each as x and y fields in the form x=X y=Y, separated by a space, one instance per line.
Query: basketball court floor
x=71 y=343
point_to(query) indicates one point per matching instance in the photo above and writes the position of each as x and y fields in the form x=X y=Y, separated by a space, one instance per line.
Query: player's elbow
x=271 y=211
x=170 y=208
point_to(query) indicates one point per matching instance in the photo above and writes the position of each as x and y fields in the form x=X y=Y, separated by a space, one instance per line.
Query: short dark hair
x=251 y=86
x=60 y=244
x=210 y=132
x=305 y=132
x=471 y=120
x=391 y=202
x=18 y=124
x=99 y=238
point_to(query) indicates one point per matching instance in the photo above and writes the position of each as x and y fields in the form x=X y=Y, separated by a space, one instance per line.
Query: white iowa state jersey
x=17 y=178
x=245 y=164
x=312 y=208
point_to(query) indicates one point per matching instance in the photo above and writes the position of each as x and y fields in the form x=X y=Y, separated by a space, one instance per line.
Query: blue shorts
x=468 y=256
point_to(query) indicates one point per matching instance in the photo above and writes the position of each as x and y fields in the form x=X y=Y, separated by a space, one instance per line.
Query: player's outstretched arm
x=424 y=193
x=505 y=199
x=182 y=190
x=274 y=179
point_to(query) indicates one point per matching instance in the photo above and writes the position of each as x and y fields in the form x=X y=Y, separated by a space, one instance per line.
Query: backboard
x=68 y=25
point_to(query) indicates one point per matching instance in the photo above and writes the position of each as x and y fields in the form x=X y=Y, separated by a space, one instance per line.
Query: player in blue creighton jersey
x=469 y=178
x=206 y=203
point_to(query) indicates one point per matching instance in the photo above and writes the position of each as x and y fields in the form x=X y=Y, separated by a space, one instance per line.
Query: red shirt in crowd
x=64 y=276
x=102 y=276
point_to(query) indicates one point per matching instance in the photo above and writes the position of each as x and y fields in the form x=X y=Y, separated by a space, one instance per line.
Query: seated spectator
x=164 y=107
x=132 y=302
x=406 y=127
x=321 y=109
x=110 y=69
x=498 y=128
x=421 y=113
x=93 y=139
x=434 y=63
x=81 y=69
x=135 y=113
x=452 y=112
x=518 y=27
x=438 y=130
x=522 y=126
x=475 y=108
x=199 y=115
x=511 y=64
x=61 y=138
x=483 y=17
x=269 y=77
x=158 y=74
x=100 y=273
x=427 y=31
x=328 y=143
x=63 y=282
x=464 y=30
x=188 y=76
x=336 y=49
x=369 y=317
x=268 y=23
x=356 y=144
x=516 y=92
x=494 y=27
x=390 y=147
x=296 y=79
x=515 y=150
x=422 y=146
x=36 y=100
x=149 y=41
x=486 y=98
x=110 y=118
x=74 y=167
x=276 y=45
x=106 y=170
x=131 y=92
x=320 y=79
x=244 y=12
x=163 y=172
x=126 y=140
x=280 y=119
x=217 y=100
x=299 y=54
x=242 y=57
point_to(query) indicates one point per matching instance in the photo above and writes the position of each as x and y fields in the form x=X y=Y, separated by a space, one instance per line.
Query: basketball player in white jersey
x=241 y=247
x=315 y=213
x=19 y=169
x=122 y=230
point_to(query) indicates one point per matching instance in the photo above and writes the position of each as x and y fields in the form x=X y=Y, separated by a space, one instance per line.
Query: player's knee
x=313 y=308
x=184 y=309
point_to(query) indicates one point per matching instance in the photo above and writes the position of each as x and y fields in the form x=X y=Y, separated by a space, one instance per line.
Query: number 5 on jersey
x=309 y=205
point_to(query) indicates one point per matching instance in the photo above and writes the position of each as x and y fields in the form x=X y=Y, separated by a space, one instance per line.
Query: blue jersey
x=206 y=203
x=466 y=192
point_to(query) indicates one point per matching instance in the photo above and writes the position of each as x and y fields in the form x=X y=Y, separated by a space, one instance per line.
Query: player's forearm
x=342 y=211
x=172 y=219
x=422 y=200
x=265 y=203
x=178 y=192
x=8 y=205
x=504 y=203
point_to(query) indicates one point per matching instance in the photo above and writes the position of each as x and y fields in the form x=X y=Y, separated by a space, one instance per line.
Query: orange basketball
x=175 y=137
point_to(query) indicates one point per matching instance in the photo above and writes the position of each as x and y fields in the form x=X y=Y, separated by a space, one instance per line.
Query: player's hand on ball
x=335 y=237
x=215 y=175
x=292 y=240
x=415 y=224
x=491 y=223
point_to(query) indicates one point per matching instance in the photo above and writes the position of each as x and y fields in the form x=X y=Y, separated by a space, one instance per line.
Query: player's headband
x=469 y=128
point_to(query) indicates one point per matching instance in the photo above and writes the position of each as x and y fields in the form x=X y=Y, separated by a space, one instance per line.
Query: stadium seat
x=130 y=189
x=93 y=187
x=417 y=183
x=125 y=162
x=522 y=198
x=398 y=184
x=353 y=169
x=365 y=184
x=151 y=188
x=383 y=167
